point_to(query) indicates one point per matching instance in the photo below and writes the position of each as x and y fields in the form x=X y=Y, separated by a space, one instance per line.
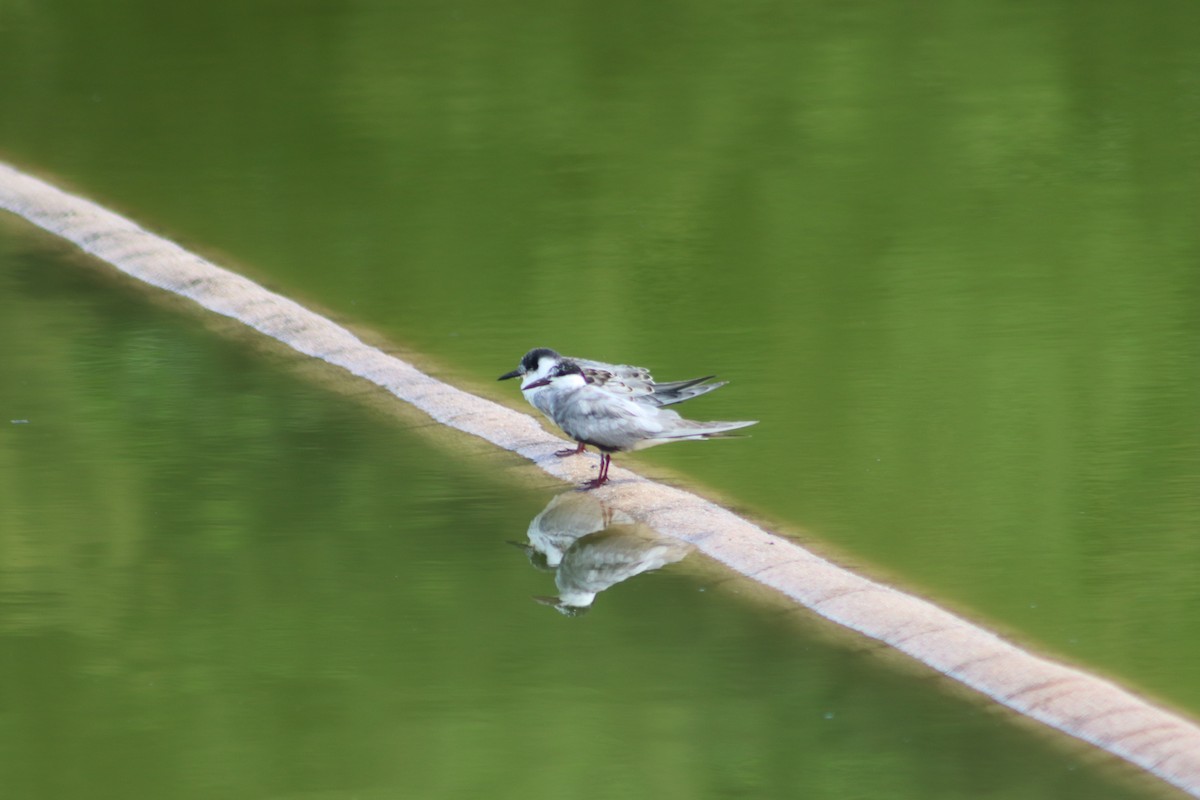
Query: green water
x=947 y=255
x=221 y=580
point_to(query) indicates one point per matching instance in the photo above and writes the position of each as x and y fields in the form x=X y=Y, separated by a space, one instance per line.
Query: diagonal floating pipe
x=1068 y=699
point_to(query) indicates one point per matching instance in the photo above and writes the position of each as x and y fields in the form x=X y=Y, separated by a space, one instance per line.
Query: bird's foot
x=567 y=452
x=602 y=478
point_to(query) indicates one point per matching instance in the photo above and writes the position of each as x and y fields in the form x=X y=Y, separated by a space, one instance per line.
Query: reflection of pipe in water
x=592 y=547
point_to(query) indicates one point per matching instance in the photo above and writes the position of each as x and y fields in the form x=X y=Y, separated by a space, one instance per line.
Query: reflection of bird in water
x=565 y=519
x=604 y=559
x=592 y=547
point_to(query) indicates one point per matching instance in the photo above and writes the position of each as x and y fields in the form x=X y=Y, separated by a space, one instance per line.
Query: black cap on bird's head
x=567 y=367
x=564 y=367
x=533 y=357
x=529 y=362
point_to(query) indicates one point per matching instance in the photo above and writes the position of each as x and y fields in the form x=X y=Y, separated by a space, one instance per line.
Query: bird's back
x=637 y=383
x=593 y=415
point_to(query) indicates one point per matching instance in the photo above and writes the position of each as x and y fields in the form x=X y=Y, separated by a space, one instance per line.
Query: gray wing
x=620 y=379
x=620 y=371
x=666 y=394
x=592 y=414
x=625 y=380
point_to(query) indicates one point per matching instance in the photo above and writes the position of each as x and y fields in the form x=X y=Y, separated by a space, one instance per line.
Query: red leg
x=602 y=478
x=565 y=453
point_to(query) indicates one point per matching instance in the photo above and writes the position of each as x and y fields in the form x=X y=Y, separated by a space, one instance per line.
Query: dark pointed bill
x=516 y=373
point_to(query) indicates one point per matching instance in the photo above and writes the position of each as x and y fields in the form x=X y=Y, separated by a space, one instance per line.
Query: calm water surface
x=220 y=580
x=948 y=257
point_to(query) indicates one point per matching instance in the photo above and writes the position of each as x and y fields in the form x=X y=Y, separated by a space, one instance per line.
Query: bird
x=598 y=561
x=612 y=423
x=566 y=519
x=621 y=379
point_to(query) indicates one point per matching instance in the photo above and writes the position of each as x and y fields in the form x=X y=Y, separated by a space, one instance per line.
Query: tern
x=591 y=546
x=599 y=561
x=623 y=380
x=614 y=423
x=565 y=520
